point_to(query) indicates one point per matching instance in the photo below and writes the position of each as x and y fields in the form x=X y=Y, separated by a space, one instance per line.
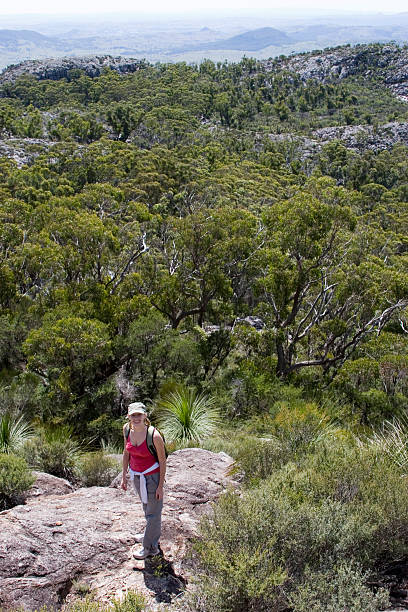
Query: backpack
x=149 y=440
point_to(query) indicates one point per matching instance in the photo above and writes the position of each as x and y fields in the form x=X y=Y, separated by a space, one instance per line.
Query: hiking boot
x=139 y=537
x=141 y=554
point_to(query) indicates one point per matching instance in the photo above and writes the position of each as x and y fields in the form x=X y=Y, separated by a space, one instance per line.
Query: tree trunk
x=282 y=368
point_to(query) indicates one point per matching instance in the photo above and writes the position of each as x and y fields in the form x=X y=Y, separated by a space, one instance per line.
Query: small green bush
x=132 y=602
x=227 y=441
x=258 y=458
x=392 y=440
x=54 y=451
x=340 y=588
x=15 y=479
x=97 y=469
x=289 y=436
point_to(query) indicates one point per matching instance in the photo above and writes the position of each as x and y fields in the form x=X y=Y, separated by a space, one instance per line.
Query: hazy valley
x=191 y=39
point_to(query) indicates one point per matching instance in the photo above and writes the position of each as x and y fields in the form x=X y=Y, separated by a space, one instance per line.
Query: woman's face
x=137 y=419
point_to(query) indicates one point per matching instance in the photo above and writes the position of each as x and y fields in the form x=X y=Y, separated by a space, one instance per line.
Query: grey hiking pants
x=152 y=510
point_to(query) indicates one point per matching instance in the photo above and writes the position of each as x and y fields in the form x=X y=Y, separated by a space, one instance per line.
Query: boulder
x=46 y=484
x=86 y=536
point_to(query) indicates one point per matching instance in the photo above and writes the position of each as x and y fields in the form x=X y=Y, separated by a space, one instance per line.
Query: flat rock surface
x=88 y=535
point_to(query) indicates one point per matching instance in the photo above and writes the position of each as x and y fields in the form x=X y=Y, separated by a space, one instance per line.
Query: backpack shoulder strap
x=149 y=441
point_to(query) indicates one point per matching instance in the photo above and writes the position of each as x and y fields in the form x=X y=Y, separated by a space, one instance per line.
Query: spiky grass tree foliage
x=13 y=433
x=392 y=440
x=185 y=416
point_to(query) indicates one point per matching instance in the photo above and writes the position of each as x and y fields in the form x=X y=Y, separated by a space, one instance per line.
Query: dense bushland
x=160 y=245
x=324 y=517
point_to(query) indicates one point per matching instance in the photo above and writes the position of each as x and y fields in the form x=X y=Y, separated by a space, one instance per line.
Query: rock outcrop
x=342 y=62
x=88 y=535
x=46 y=484
x=60 y=68
x=357 y=138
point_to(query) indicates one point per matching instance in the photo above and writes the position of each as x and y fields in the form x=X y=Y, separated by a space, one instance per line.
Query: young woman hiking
x=147 y=473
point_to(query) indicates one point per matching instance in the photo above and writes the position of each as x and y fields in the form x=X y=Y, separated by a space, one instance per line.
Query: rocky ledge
x=87 y=536
x=357 y=138
x=60 y=68
x=345 y=61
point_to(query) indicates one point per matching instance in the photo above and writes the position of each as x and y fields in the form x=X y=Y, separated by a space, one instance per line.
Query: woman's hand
x=123 y=484
x=159 y=492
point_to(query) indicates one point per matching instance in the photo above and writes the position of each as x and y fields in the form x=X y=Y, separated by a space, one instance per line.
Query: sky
x=53 y=7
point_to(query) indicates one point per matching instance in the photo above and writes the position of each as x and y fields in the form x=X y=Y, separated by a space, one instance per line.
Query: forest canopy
x=157 y=214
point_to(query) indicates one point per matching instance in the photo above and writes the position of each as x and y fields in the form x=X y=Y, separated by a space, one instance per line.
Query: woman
x=147 y=473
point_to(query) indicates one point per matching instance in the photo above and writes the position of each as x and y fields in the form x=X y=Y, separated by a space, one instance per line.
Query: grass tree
x=13 y=433
x=184 y=415
x=392 y=440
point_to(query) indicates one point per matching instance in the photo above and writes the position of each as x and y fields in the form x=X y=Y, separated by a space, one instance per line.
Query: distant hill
x=18 y=36
x=254 y=40
x=337 y=34
x=312 y=32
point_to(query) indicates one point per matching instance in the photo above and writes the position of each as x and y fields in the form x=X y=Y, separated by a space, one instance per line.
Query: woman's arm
x=125 y=462
x=161 y=455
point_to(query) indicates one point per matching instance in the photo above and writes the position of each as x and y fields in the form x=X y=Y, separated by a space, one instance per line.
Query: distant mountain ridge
x=29 y=35
x=193 y=45
x=11 y=40
x=253 y=40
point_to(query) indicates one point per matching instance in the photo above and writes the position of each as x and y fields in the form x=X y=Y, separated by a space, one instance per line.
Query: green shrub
x=106 y=428
x=340 y=588
x=342 y=503
x=258 y=458
x=300 y=425
x=392 y=439
x=132 y=602
x=227 y=440
x=97 y=469
x=15 y=478
x=54 y=451
x=293 y=432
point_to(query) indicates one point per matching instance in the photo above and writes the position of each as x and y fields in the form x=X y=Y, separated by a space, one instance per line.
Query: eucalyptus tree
x=195 y=263
x=321 y=287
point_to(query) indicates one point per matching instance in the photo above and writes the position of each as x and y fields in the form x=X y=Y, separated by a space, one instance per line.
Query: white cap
x=137 y=408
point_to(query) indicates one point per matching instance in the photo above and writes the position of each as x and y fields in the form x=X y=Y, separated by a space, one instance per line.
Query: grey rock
x=23 y=151
x=46 y=484
x=363 y=137
x=358 y=138
x=59 y=68
x=88 y=535
x=340 y=63
x=255 y=322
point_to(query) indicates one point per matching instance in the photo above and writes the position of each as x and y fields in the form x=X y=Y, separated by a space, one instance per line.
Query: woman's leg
x=153 y=511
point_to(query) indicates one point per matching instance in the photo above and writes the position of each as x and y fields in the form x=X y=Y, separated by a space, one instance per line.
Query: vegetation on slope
x=154 y=217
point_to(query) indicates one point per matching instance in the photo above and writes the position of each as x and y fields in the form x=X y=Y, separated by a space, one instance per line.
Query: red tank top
x=140 y=458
